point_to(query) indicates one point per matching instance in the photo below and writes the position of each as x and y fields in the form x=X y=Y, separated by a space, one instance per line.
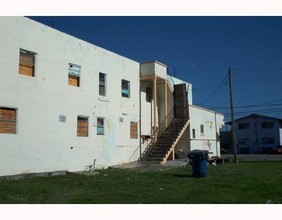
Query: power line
x=258 y=111
x=224 y=80
x=246 y=106
x=266 y=68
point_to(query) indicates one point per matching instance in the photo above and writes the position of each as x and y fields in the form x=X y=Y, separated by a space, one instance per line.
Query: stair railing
x=162 y=128
x=159 y=132
x=151 y=136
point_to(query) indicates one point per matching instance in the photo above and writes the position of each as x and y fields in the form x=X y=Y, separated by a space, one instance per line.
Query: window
x=267 y=125
x=202 y=128
x=268 y=140
x=133 y=130
x=27 y=63
x=243 y=126
x=244 y=141
x=7 y=120
x=193 y=133
x=82 y=126
x=74 y=75
x=217 y=137
x=100 y=126
x=125 y=88
x=102 y=84
x=148 y=94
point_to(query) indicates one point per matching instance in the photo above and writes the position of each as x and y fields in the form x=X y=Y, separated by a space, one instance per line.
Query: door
x=180 y=101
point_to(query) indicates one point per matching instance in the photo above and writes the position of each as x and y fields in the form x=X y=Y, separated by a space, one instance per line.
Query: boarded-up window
x=125 y=88
x=133 y=130
x=7 y=120
x=27 y=62
x=82 y=126
x=102 y=84
x=74 y=75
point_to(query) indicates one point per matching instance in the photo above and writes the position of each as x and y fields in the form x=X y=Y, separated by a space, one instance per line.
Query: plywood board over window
x=74 y=75
x=82 y=126
x=133 y=130
x=27 y=63
x=7 y=120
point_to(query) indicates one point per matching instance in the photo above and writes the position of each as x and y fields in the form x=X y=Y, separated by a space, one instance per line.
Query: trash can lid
x=198 y=152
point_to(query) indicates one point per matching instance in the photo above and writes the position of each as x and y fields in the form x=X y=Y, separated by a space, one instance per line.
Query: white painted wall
x=212 y=122
x=153 y=68
x=280 y=136
x=41 y=142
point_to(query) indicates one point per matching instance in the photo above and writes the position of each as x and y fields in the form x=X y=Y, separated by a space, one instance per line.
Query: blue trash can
x=199 y=162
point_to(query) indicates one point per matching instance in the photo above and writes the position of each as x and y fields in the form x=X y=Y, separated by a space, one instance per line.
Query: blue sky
x=200 y=49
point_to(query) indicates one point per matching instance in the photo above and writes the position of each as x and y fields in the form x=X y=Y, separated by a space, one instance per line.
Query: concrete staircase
x=162 y=149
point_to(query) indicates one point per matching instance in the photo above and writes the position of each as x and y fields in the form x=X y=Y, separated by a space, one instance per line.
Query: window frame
x=242 y=126
x=193 y=133
x=267 y=124
x=133 y=130
x=268 y=140
x=74 y=75
x=79 y=132
x=202 y=129
x=149 y=94
x=8 y=120
x=103 y=84
x=100 y=127
x=244 y=141
x=124 y=89
x=27 y=61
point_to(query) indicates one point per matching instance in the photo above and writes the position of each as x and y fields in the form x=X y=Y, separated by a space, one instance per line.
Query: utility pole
x=232 y=117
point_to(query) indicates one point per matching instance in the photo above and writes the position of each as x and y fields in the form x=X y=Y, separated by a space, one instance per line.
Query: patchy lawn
x=243 y=183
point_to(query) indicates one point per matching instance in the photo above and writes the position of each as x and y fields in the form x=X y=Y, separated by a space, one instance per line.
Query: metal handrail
x=160 y=131
x=149 y=135
x=150 y=145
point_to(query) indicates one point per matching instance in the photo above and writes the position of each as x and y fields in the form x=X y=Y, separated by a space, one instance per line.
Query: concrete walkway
x=183 y=162
x=152 y=166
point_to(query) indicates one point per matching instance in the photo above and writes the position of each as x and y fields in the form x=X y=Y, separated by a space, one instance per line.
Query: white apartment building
x=66 y=104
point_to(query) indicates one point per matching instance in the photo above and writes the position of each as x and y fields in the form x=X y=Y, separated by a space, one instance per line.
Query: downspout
x=155 y=109
x=140 y=150
x=216 y=145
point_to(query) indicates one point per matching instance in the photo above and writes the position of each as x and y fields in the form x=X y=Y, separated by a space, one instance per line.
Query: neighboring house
x=66 y=104
x=257 y=133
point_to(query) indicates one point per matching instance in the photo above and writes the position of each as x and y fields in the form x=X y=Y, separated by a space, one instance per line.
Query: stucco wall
x=41 y=142
x=212 y=123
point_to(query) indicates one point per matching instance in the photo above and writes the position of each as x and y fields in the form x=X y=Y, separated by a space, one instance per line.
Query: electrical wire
x=224 y=80
x=246 y=106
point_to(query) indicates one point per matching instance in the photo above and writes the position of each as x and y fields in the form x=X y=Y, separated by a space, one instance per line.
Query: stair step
x=166 y=141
